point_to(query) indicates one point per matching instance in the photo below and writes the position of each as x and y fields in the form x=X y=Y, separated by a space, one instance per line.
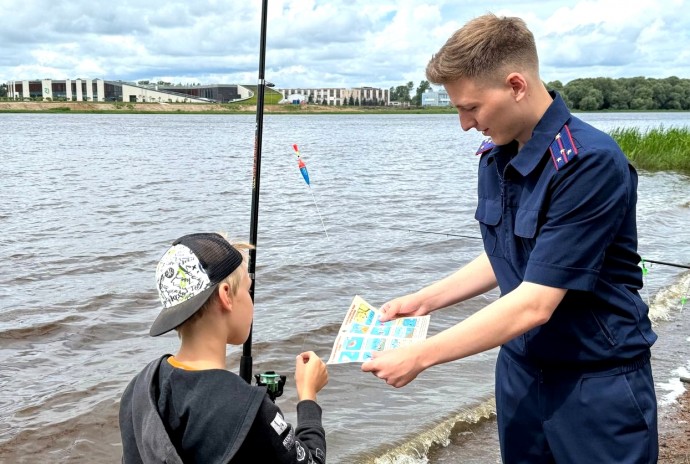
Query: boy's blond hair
x=487 y=48
x=233 y=280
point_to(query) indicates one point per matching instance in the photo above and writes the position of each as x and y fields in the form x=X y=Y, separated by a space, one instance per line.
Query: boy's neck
x=202 y=353
x=200 y=365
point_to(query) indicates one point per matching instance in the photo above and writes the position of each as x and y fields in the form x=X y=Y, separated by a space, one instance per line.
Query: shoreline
x=234 y=108
x=204 y=108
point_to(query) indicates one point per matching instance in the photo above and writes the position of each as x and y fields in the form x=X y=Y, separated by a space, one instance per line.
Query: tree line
x=403 y=93
x=595 y=94
x=634 y=93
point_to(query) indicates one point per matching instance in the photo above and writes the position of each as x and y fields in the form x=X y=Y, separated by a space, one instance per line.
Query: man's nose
x=466 y=122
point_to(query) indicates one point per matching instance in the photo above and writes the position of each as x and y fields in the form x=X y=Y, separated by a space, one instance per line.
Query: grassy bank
x=657 y=149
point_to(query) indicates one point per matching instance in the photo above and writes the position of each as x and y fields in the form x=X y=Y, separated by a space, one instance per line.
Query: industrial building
x=101 y=90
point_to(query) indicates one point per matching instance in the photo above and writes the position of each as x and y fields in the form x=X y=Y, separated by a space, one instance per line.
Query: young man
x=556 y=209
x=188 y=407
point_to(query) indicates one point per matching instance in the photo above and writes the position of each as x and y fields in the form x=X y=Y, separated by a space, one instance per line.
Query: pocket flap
x=488 y=211
x=526 y=221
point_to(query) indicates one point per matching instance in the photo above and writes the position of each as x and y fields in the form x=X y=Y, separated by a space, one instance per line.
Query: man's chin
x=498 y=140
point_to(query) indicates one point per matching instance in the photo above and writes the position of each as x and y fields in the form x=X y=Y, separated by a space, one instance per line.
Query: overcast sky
x=325 y=43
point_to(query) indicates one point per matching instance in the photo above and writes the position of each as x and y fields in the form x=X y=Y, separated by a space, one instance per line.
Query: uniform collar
x=556 y=115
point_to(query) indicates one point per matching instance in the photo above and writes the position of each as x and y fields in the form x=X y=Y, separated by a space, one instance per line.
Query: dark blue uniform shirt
x=566 y=219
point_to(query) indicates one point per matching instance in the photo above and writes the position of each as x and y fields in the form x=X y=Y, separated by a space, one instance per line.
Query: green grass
x=271 y=97
x=658 y=149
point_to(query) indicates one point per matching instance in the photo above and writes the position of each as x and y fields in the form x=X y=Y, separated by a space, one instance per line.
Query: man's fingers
x=368 y=366
x=385 y=315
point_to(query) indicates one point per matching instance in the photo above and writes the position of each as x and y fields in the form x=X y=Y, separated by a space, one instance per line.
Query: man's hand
x=408 y=305
x=396 y=367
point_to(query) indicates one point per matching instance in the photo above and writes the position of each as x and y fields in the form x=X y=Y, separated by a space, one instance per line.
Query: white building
x=439 y=98
x=361 y=96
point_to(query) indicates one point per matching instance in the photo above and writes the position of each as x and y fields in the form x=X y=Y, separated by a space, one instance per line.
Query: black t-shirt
x=213 y=414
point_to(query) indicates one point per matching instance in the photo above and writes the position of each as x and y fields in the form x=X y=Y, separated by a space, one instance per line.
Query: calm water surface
x=91 y=201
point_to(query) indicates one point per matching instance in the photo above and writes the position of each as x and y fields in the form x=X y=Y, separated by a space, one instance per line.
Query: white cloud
x=325 y=43
x=611 y=38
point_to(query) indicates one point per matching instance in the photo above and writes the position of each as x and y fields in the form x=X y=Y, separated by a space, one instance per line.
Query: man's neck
x=538 y=103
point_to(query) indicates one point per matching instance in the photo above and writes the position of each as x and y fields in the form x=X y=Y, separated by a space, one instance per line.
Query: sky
x=325 y=43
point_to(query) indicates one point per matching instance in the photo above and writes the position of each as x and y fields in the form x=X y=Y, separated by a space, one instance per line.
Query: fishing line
x=668 y=264
x=448 y=234
x=305 y=175
x=474 y=237
x=642 y=260
x=318 y=211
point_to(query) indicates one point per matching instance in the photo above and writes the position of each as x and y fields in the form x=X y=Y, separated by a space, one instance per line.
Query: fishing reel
x=274 y=383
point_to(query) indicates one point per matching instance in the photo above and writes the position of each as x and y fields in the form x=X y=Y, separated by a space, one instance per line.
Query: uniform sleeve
x=275 y=440
x=588 y=200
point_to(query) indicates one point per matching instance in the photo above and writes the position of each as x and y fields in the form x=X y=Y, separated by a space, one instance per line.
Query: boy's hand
x=311 y=375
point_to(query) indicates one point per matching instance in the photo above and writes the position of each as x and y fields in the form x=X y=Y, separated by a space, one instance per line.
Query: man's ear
x=518 y=85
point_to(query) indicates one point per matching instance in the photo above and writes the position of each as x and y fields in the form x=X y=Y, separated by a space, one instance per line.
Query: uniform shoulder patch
x=487 y=145
x=562 y=148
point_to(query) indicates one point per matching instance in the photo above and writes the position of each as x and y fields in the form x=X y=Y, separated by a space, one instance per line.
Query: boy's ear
x=225 y=296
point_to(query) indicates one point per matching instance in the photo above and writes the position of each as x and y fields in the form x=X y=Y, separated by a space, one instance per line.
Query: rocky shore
x=674 y=432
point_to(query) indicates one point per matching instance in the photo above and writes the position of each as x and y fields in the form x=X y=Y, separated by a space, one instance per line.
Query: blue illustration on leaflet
x=362 y=333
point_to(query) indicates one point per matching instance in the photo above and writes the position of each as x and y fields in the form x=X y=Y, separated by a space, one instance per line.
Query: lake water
x=91 y=201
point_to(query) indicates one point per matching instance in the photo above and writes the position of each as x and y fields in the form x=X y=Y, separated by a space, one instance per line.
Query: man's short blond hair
x=486 y=48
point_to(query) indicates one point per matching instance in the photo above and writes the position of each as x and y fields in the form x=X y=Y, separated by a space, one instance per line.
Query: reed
x=657 y=149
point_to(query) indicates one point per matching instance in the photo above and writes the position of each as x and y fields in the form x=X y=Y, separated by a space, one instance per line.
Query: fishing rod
x=246 y=359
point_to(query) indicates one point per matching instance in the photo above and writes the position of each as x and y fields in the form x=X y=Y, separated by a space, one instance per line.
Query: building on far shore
x=143 y=92
x=362 y=96
x=439 y=98
x=101 y=90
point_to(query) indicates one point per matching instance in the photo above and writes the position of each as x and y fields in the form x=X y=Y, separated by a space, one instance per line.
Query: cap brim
x=173 y=316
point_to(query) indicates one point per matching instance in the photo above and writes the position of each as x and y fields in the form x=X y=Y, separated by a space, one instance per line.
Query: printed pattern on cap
x=180 y=276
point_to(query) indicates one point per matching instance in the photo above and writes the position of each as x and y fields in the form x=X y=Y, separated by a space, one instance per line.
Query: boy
x=188 y=407
x=556 y=209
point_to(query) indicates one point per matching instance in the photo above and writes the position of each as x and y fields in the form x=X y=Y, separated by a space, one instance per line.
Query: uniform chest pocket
x=526 y=226
x=488 y=214
x=526 y=223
